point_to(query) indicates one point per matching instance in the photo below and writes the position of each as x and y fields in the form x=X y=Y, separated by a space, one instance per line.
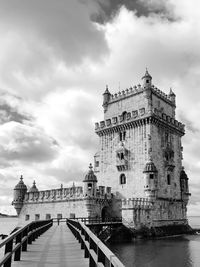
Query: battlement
x=64 y=194
x=136 y=203
x=137 y=115
x=137 y=89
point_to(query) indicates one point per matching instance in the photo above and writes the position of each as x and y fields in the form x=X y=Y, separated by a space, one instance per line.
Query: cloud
x=20 y=142
x=57 y=56
x=108 y=9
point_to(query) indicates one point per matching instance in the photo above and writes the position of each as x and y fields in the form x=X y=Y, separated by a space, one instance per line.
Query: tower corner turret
x=90 y=183
x=106 y=98
x=19 y=193
x=147 y=80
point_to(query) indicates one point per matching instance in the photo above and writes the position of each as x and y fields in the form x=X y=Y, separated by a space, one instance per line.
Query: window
x=147 y=81
x=122 y=179
x=89 y=186
x=96 y=163
x=37 y=217
x=27 y=217
x=48 y=216
x=59 y=216
x=122 y=136
x=124 y=115
x=168 y=179
x=151 y=176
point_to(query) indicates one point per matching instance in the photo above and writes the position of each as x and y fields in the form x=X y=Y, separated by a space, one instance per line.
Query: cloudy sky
x=56 y=58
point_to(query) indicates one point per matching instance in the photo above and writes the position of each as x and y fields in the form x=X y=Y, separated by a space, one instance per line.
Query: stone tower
x=140 y=153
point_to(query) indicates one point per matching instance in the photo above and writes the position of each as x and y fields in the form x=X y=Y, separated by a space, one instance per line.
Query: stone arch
x=105 y=214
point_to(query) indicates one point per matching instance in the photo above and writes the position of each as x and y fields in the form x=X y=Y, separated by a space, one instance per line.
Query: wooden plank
x=56 y=247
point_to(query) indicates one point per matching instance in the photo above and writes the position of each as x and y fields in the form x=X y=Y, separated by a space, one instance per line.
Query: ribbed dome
x=147 y=75
x=90 y=176
x=20 y=185
x=183 y=175
x=150 y=167
x=33 y=188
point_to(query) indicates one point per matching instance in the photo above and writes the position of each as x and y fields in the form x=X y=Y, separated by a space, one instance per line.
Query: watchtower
x=140 y=150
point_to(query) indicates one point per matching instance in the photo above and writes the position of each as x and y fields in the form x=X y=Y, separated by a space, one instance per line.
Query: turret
x=90 y=183
x=106 y=98
x=150 y=177
x=172 y=96
x=147 y=79
x=184 y=185
x=19 y=193
x=33 y=188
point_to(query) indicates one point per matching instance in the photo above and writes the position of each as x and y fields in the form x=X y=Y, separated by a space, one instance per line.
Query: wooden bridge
x=65 y=243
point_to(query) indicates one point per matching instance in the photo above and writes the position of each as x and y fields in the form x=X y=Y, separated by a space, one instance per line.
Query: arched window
x=122 y=136
x=124 y=114
x=168 y=179
x=122 y=179
x=89 y=186
x=151 y=176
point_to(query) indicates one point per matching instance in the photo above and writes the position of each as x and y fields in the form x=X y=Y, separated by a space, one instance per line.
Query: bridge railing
x=88 y=220
x=98 y=254
x=18 y=241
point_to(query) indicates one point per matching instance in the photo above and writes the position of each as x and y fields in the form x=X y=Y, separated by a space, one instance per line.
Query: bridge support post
x=18 y=251
x=24 y=246
x=8 y=248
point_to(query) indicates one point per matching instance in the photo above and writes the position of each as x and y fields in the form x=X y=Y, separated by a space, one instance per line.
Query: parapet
x=137 y=89
x=136 y=203
x=136 y=116
x=75 y=192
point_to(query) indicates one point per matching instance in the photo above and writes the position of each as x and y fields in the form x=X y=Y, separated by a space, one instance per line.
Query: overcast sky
x=56 y=58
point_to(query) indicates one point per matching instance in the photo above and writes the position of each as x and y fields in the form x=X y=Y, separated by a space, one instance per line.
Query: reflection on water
x=171 y=252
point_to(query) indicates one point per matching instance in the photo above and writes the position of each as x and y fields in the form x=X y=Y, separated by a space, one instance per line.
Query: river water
x=181 y=251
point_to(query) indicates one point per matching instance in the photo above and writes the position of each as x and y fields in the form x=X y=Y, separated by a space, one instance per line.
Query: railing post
x=8 y=248
x=18 y=251
x=25 y=234
x=29 y=232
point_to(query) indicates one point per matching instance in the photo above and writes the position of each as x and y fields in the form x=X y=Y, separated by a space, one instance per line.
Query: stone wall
x=66 y=208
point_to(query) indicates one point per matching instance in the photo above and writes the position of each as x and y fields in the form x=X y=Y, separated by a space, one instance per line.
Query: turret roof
x=106 y=91
x=33 y=188
x=146 y=75
x=150 y=167
x=183 y=175
x=90 y=176
x=21 y=184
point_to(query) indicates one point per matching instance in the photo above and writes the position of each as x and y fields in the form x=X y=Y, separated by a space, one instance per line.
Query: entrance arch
x=105 y=214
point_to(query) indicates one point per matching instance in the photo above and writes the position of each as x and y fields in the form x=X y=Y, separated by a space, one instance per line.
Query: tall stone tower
x=140 y=154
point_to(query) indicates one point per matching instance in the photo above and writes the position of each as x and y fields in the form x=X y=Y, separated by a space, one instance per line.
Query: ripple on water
x=172 y=252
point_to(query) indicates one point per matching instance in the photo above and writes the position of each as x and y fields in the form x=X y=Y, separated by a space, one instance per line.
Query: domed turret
x=184 y=185
x=106 y=98
x=150 y=176
x=19 y=193
x=90 y=182
x=33 y=188
x=147 y=79
x=172 y=96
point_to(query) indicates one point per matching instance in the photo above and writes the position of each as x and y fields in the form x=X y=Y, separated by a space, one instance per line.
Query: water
x=183 y=251
x=7 y=225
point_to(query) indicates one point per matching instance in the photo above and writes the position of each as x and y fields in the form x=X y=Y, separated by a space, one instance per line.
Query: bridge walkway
x=56 y=247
